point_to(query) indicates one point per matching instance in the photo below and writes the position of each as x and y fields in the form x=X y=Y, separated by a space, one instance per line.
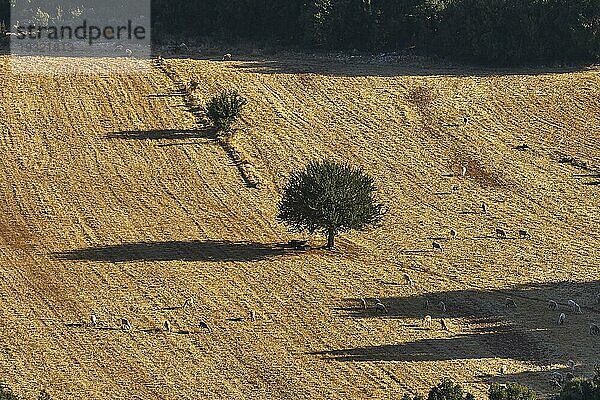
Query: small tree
x=225 y=108
x=448 y=390
x=512 y=391
x=330 y=198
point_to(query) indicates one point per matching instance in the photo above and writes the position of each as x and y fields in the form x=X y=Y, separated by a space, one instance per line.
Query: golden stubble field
x=115 y=201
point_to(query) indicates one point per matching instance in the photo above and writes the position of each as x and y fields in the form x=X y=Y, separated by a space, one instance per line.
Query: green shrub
x=6 y=393
x=511 y=391
x=225 y=108
x=448 y=390
x=582 y=388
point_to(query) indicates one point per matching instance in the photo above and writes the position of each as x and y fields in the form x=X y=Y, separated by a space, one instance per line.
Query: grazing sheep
x=380 y=307
x=484 y=208
x=227 y=57
x=578 y=309
x=125 y=324
x=553 y=305
x=204 y=325
x=442 y=306
x=594 y=329
x=167 y=325
x=501 y=233
x=408 y=280
x=466 y=120
x=444 y=325
x=571 y=364
x=503 y=369
x=189 y=302
x=510 y=303
x=128 y=53
x=453 y=234
x=437 y=246
x=561 y=318
x=93 y=320
x=464 y=171
x=184 y=46
x=572 y=305
x=455 y=188
x=252 y=315
x=160 y=60
x=523 y=234
x=427 y=321
x=363 y=302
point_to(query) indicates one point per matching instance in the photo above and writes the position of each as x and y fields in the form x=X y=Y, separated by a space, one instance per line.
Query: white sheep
x=561 y=318
x=189 y=302
x=252 y=315
x=523 y=234
x=553 y=305
x=442 y=306
x=227 y=57
x=578 y=309
x=571 y=364
x=93 y=320
x=464 y=171
x=363 y=302
x=408 y=280
x=503 y=369
x=204 y=325
x=380 y=307
x=484 y=208
x=427 y=321
x=125 y=324
x=437 y=246
x=128 y=53
x=501 y=233
x=453 y=234
x=594 y=329
x=167 y=325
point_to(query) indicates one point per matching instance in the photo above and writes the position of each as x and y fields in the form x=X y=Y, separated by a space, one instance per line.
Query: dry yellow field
x=114 y=201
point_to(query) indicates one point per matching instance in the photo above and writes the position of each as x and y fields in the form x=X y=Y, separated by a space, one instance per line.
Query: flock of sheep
x=126 y=325
x=574 y=307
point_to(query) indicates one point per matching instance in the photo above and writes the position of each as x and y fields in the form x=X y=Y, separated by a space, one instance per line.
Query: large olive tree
x=330 y=198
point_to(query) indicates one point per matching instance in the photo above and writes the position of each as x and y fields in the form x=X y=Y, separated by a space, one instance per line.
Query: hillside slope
x=116 y=202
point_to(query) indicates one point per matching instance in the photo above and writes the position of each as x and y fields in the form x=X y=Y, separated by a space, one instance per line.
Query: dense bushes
x=582 y=388
x=512 y=391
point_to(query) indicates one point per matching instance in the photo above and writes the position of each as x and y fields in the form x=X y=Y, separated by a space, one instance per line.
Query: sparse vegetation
x=512 y=391
x=447 y=389
x=225 y=108
x=581 y=388
x=331 y=198
x=6 y=393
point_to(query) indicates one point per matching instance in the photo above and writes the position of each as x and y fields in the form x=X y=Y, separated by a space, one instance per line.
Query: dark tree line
x=499 y=32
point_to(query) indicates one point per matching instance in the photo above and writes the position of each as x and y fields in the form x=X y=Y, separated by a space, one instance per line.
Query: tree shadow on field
x=516 y=323
x=164 y=134
x=210 y=250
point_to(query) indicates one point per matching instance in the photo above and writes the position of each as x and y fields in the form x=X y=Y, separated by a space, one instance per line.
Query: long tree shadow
x=504 y=344
x=519 y=323
x=209 y=250
x=165 y=134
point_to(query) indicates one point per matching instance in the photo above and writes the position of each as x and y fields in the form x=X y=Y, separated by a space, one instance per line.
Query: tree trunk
x=330 y=238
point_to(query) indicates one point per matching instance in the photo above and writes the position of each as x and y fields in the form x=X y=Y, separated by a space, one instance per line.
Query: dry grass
x=114 y=201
